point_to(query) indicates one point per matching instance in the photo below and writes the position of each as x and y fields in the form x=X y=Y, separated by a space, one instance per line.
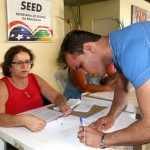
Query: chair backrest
x=61 y=79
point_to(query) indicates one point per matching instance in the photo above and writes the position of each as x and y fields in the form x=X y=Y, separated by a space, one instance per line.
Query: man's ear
x=88 y=47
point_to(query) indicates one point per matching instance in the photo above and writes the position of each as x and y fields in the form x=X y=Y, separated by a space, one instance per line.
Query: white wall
x=98 y=10
x=94 y=11
x=112 y=8
x=46 y=53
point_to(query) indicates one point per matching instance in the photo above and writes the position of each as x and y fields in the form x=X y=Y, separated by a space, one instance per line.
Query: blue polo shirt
x=131 y=52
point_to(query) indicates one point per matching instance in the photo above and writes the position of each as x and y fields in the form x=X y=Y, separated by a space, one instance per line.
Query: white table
x=57 y=135
x=2 y=145
x=132 y=105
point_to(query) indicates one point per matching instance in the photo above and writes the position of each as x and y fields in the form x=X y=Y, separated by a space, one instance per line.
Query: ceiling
x=82 y=2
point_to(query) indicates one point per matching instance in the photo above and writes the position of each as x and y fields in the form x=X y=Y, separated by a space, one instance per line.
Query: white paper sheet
x=67 y=128
x=71 y=102
x=44 y=113
x=123 y=121
x=84 y=107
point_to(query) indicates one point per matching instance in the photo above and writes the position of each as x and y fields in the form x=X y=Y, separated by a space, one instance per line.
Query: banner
x=29 y=20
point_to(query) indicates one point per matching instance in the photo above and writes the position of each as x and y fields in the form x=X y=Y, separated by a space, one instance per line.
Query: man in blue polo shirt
x=129 y=50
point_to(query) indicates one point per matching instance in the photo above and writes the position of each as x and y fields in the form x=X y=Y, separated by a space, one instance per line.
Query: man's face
x=89 y=62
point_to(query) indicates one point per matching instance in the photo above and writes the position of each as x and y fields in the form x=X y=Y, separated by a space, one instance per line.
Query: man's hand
x=102 y=124
x=90 y=137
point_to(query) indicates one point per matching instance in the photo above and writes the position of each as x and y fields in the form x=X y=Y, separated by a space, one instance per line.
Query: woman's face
x=21 y=65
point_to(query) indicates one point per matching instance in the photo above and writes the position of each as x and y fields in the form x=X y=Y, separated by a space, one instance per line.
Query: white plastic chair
x=61 y=79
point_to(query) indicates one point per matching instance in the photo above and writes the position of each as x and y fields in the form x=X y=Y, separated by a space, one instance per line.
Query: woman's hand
x=33 y=123
x=65 y=109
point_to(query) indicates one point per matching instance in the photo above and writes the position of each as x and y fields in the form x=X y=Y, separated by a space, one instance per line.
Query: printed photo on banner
x=29 y=20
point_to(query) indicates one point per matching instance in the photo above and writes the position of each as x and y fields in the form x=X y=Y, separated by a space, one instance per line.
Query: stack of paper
x=71 y=102
x=44 y=113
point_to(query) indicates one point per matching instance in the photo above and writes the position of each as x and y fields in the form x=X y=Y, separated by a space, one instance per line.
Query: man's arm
x=109 y=79
x=118 y=104
x=120 y=96
x=138 y=132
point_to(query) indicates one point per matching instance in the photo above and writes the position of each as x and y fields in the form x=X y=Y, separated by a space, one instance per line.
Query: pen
x=81 y=121
x=82 y=126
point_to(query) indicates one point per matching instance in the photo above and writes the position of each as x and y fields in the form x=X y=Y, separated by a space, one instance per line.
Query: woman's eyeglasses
x=20 y=63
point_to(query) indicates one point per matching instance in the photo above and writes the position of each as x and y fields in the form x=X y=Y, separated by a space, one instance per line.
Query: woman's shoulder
x=33 y=76
x=3 y=85
x=4 y=81
x=1 y=82
x=4 y=78
x=36 y=78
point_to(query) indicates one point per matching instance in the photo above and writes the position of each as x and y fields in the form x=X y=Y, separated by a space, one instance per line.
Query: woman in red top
x=21 y=91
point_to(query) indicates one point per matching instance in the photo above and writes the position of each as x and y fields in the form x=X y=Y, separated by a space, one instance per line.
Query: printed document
x=44 y=113
x=122 y=121
x=66 y=129
x=71 y=102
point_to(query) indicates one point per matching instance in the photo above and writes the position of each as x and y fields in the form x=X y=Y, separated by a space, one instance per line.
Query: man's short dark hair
x=73 y=43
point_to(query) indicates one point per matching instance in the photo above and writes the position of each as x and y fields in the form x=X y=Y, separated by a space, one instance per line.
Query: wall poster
x=29 y=20
x=138 y=14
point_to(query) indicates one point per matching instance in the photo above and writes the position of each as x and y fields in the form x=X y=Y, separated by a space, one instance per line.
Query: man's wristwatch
x=102 y=141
